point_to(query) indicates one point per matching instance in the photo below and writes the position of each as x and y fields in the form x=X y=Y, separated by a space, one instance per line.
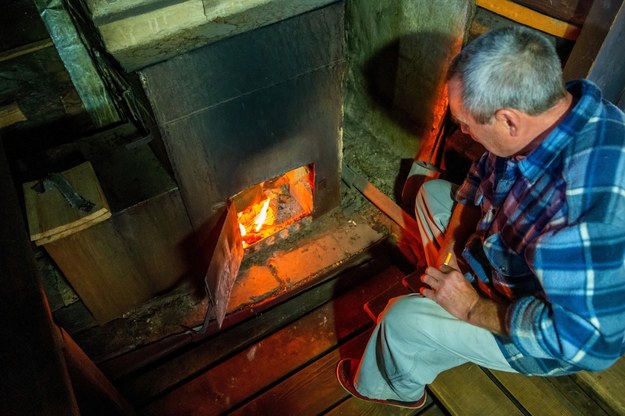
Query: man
x=534 y=238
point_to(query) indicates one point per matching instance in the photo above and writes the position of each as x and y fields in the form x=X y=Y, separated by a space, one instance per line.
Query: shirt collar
x=588 y=99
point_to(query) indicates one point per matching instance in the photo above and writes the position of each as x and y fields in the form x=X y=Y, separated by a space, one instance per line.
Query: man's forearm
x=489 y=314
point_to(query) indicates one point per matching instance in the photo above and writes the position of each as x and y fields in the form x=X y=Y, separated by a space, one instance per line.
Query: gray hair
x=511 y=67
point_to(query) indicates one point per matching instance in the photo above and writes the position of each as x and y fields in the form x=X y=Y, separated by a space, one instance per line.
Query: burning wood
x=274 y=205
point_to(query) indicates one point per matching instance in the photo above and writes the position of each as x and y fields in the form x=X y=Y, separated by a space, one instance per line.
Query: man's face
x=492 y=135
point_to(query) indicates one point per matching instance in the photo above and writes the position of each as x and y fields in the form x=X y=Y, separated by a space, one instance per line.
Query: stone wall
x=398 y=53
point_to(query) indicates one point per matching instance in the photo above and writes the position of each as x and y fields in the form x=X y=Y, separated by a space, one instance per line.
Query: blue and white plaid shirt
x=552 y=240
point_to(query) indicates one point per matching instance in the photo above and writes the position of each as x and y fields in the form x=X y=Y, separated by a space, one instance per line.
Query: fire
x=254 y=219
x=260 y=218
x=273 y=205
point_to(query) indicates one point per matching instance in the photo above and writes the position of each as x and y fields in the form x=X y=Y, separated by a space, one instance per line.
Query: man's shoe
x=345 y=371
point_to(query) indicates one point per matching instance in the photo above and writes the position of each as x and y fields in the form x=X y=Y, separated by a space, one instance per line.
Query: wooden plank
x=75 y=227
x=50 y=216
x=606 y=71
x=95 y=393
x=375 y=306
x=310 y=391
x=124 y=261
x=35 y=380
x=268 y=360
x=531 y=18
x=20 y=24
x=433 y=410
x=538 y=395
x=574 y=11
x=10 y=114
x=574 y=392
x=25 y=49
x=353 y=406
x=39 y=82
x=467 y=390
x=607 y=386
x=383 y=202
x=143 y=385
x=592 y=38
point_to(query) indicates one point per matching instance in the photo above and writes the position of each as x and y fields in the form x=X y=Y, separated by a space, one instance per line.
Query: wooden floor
x=282 y=362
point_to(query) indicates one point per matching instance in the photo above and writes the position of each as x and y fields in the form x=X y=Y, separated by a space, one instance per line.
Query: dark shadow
x=401 y=82
x=381 y=75
x=396 y=76
x=400 y=180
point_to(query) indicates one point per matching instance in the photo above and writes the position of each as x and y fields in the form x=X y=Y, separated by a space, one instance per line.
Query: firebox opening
x=271 y=206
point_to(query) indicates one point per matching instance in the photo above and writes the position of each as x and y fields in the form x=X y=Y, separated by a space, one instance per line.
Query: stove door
x=224 y=263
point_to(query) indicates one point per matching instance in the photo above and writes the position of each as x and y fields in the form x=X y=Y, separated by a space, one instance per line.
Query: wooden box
x=114 y=260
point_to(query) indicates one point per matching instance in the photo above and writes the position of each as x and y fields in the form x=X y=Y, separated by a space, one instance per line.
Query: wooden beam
x=25 y=49
x=383 y=202
x=531 y=18
x=96 y=395
x=10 y=114
x=599 y=51
x=572 y=11
x=35 y=379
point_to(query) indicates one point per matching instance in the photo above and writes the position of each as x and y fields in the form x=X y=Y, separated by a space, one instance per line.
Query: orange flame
x=253 y=220
x=262 y=216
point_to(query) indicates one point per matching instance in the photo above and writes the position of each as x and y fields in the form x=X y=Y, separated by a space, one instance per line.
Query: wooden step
x=539 y=395
x=225 y=385
x=606 y=387
x=470 y=389
x=311 y=391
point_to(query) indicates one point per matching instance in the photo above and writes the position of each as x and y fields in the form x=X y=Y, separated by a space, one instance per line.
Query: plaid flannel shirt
x=552 y=240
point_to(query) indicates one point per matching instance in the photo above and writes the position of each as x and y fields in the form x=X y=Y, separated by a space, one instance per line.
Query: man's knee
x=409 y=313
x=430 y=192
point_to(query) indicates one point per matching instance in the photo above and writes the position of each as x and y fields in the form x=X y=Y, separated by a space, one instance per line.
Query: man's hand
x=451 y=290
x=454 y=293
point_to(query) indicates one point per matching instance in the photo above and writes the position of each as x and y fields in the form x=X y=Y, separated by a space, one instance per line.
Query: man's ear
x=510 y=119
